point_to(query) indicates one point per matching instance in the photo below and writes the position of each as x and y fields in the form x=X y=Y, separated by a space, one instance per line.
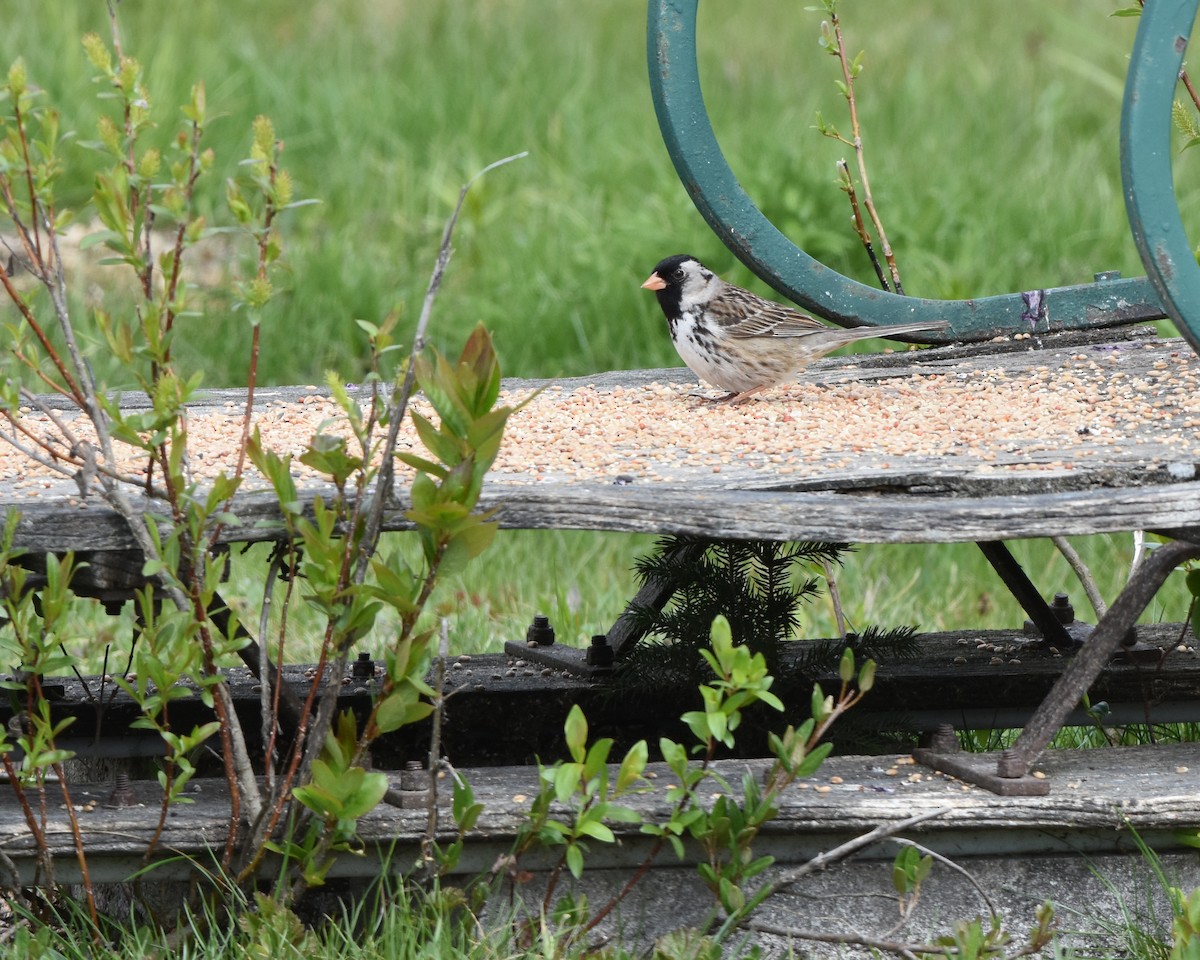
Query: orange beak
x=655 y=282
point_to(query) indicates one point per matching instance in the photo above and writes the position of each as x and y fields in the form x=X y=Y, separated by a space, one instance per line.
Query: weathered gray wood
x=1095 y=797
x=1148 y=480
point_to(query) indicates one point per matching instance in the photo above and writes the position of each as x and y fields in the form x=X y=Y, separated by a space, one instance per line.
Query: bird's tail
x=893 y=330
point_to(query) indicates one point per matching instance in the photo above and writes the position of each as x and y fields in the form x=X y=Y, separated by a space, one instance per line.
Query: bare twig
x=858 y=939
x=1076 y=563
x=435 y=749
x=901 y=841
x=1139 y=550
x=842 y=851
x=849 y=72
x=403 y=391
x=81 y=858
x=860 y=226
x=834 y=597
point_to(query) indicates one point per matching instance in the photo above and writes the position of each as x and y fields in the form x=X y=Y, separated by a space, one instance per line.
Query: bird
x=739 y=342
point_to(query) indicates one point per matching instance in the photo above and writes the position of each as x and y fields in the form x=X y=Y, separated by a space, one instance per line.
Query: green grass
x=393 y=923
x=582 y=581
x=992 y=137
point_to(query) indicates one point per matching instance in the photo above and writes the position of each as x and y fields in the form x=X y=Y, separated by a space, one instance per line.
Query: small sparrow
x=740 y=342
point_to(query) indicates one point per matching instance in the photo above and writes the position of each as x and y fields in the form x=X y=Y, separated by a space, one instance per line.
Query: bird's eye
x=678 y=275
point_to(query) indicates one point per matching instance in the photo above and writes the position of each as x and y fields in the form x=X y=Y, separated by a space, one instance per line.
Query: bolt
x=1061 y=607
x=599 y=654
x=1010 y=765
x=540 y=633
x=944 y=739
x=122 y=793
x=364 y=666
x=414 y=777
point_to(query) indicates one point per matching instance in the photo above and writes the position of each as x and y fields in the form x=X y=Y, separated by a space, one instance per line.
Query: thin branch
x=435 y=749
x=868 y=199
x=860 y=227
x=834 y=597
x=858 y=939
x=1076 y=563
x=403 y=392
x=901 y=841
x=830 y=857
x=1139 y=551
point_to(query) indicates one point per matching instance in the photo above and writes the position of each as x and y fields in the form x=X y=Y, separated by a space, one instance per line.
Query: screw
x=599 y=654
x=944 y=739
x=540 y=633
x=363 y=667
x=414 y=777
x=1061 y=607
x=1010 y=765
x=122 y=793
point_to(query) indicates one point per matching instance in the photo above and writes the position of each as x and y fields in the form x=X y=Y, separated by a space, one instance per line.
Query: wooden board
x=1095 y=796
x=1075 y=474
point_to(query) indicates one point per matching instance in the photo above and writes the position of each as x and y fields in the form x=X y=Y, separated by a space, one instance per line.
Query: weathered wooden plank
x=1119 y=473
x=868 y=517
x=1096 y=795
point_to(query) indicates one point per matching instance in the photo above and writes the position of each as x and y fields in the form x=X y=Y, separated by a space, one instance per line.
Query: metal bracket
x=1075 y=681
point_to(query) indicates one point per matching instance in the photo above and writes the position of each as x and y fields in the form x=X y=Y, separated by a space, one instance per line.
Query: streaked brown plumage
x=738 y=341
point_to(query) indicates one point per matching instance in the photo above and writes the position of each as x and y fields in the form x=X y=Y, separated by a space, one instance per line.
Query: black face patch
x=669 y=296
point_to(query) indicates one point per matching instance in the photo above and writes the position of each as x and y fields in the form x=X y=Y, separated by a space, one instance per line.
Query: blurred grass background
x=991 y=132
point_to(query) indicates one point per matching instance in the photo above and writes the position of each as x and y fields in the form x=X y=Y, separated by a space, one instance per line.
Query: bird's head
x=681 y=282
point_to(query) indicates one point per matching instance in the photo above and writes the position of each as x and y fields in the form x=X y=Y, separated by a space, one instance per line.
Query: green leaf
x=576 y=731
x=567 y=777
x=846 y=666
x=597 y=830
x=866 y=676
x=574 y=857
x=446 y=449
x=400 y=709
x=622 y=814
x=366 y=797
x=632 y=767
x=596 y=762
x=808 y=766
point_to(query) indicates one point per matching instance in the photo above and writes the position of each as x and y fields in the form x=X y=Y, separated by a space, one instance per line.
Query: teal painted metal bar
x=733 y=216
x=1158 y=52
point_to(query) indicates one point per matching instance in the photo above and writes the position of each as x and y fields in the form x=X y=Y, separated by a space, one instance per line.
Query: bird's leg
x=745 y=395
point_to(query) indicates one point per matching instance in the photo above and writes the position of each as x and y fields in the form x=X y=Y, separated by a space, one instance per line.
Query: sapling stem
x=850 y=71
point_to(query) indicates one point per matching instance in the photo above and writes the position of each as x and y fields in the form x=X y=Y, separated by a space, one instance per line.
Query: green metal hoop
x=733 y=216
x=1150 y=201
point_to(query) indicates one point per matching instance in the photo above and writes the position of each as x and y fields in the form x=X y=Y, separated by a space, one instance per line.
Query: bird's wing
x=743 y=314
